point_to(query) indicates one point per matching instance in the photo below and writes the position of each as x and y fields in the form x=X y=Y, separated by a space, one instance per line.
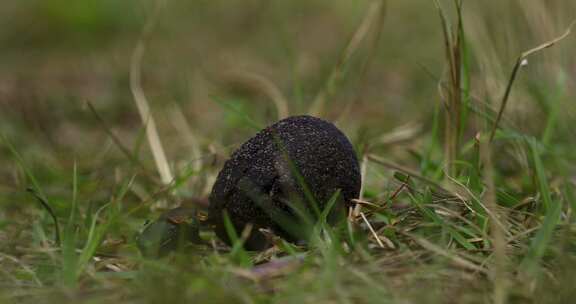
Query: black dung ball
x=284 y=175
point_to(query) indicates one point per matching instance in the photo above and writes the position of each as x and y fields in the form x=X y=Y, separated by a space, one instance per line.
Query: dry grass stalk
x=131 y=157
x=262 y=85
x=401 y=134
x=371 y=52
x=370 y=19
x=409 y=172
x=363 y=168
x=372 y=230
x=142 y=102
x=498 y=234
x=183 y=127
x=451 y=256
x=522 y=60
x=453 y=101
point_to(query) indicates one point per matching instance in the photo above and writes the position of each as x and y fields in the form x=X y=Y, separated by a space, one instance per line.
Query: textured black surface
x=260 y=180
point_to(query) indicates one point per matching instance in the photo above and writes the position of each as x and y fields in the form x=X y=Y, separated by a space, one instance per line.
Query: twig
x=402 y=186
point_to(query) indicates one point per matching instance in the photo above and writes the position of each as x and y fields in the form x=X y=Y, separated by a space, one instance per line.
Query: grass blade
x=542 y=239
x=540 y=172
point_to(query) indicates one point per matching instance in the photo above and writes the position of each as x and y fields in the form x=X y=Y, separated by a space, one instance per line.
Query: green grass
x=468 y=154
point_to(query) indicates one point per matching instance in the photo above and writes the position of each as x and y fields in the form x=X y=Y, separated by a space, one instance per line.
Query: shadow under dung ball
x=282 y=176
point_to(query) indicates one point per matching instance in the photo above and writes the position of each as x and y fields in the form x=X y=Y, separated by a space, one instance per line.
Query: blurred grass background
x=209 y=66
